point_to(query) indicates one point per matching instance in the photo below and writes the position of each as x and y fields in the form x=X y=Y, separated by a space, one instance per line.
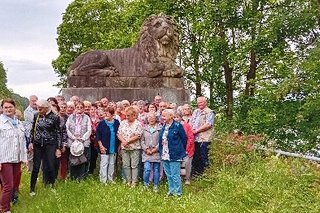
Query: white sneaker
x=187 y=182
x=155 y=189
x=32 y=194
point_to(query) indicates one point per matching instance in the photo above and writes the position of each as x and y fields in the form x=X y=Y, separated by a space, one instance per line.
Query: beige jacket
x=199 y=118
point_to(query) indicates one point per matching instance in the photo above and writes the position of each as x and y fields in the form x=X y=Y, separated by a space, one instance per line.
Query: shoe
x=187 y=182
x=133 y=184
x=32 y=194
x=15 y=198
x=155 y=189
x=169 y=195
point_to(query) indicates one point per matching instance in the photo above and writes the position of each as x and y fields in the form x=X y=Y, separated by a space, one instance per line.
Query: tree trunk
x=251 y=75
x=196 y=56
x=211 y=89
x=227 y=76
x=229 y=89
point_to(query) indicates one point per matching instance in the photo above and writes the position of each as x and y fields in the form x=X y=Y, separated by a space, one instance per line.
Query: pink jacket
x=190 y=143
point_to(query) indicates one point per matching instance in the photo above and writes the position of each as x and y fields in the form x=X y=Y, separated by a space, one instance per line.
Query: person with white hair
x=45 y=143
x=150 y=151
x=28 y=115
x=70 y=108
x=79 y=130
x=202 y=124
x=172 y=144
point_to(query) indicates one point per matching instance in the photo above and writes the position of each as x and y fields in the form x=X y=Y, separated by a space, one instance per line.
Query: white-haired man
x=202 y=124
x=29 y=113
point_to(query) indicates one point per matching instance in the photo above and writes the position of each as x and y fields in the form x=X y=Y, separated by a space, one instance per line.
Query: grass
x=238 y=181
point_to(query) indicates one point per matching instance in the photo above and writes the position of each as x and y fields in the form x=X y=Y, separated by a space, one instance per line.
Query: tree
x=4 y=92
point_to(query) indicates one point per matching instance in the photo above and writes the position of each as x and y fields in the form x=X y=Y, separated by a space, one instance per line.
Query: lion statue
x=152 y=56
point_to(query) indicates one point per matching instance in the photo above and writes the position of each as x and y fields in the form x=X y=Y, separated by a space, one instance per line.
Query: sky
x=28 y=32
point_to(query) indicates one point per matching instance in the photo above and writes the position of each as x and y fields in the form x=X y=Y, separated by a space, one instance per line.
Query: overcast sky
x=28 y=32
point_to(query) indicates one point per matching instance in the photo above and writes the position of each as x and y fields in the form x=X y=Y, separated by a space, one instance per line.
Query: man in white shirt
x=29 y=113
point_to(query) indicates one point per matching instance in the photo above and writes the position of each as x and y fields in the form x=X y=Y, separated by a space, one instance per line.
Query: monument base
x=173 y=95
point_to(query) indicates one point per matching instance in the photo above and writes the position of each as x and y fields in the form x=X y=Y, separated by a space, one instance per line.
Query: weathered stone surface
x=152 y=56
x=124 y=82
x=179 y=96
x=138 y=73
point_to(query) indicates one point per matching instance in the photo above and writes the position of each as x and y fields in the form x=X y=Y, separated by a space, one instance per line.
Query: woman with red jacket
x=190 y=145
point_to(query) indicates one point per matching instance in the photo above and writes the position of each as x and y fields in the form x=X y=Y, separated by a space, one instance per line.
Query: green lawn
x=249 y=182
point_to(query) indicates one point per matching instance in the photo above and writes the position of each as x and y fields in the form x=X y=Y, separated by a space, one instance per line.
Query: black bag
x=77 y=160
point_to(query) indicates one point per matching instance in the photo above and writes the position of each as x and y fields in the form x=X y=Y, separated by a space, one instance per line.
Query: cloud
x=25 y=72
x=28 y=44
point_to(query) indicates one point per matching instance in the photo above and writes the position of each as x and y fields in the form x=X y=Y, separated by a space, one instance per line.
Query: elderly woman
x=172 y=143
x=142 y=115
x=187 y=113
x=12 y=152
x=108 y=144
x=64 y=151
x=78 y=128
x=45 y=144
x=129 y=134
x=190 y=145
x=150 y=148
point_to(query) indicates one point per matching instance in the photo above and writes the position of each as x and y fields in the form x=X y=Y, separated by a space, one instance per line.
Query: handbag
x=77 y=160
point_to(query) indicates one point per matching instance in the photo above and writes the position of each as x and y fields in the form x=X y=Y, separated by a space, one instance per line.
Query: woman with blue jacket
x=172 y=143
x=106 y=135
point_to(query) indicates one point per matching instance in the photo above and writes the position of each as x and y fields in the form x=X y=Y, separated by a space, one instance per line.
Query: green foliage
x=252 y=182
x=4 y=92
x=258 y=59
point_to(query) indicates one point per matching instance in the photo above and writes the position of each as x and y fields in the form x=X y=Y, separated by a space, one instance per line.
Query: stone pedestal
x=93 y=88
x=174 y=95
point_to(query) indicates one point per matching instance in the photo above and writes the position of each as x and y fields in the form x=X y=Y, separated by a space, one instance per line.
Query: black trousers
x=198 y=162
x=46 y=154
x=80 y=172
x=93 y=158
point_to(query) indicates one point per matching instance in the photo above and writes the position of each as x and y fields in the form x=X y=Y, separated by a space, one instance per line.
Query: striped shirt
x=12 y=142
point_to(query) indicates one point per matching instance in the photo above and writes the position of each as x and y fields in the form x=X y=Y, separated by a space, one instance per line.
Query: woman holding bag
x=78 y=128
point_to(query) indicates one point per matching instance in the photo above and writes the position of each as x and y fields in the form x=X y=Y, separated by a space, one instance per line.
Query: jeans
x=107 y=167
x=10 y=175
x=172 y=170
x=130 y=161
x=148 y=166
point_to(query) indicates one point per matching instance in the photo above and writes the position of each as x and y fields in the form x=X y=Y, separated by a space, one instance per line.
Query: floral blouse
x=165 y=149
x=128 y=130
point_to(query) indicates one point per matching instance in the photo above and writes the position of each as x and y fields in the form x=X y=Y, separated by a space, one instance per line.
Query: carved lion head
x=159 y=37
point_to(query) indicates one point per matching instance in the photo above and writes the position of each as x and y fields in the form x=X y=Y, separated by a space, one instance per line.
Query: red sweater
x=190 y=143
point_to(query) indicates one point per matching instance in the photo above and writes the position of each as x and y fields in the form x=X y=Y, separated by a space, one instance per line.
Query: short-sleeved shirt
x=128 y=130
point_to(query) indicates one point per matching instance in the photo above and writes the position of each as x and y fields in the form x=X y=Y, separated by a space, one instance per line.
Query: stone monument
x=138 y=73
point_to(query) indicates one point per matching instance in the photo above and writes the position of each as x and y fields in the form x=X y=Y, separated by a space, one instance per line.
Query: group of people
x=141 y=140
